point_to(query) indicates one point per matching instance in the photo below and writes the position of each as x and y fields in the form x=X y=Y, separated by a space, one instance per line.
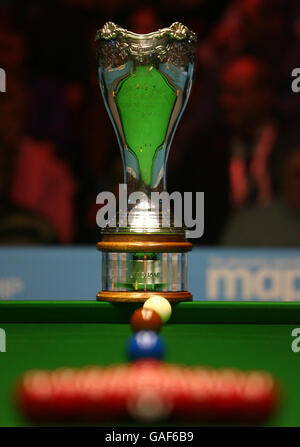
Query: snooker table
x=244 y=335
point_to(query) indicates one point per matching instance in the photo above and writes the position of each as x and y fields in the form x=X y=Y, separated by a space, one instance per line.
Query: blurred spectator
x=259 y=28
x=248 y=26
x=17 y=224
x=230 y=162
x=246 y=99
x=276 y=224
x=41 y=186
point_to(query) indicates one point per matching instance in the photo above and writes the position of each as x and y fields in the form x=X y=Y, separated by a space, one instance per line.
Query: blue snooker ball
x=145 y=344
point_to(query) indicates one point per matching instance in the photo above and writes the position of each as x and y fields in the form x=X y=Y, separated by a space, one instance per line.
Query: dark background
x=238 y=140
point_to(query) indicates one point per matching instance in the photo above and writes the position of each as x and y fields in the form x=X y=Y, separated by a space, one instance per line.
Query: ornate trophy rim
x=176 y=31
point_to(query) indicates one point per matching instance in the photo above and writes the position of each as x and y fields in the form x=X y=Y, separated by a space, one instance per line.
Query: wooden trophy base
x=141 y=297
x=143 y=243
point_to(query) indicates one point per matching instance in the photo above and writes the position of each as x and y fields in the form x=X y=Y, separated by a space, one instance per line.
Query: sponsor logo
x=243 y=278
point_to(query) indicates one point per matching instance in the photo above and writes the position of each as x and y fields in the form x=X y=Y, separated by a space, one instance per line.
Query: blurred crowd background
x=238 y=141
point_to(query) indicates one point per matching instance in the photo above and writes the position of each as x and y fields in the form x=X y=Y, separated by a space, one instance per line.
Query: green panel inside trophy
x=135 y=271
x=144 y=273
x=145 y=101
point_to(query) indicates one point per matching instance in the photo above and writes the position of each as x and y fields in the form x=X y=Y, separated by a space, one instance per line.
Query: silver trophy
x=145 y=80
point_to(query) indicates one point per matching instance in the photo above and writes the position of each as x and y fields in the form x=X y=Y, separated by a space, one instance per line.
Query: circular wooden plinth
x=132 y=297
x=144 y=243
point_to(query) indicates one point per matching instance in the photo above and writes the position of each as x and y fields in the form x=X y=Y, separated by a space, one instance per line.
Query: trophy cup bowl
x=145 y=80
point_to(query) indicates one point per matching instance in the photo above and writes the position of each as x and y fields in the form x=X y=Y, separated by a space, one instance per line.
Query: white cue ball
x=160 y=305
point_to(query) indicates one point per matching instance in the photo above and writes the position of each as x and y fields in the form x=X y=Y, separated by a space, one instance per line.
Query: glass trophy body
x=145 y=80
